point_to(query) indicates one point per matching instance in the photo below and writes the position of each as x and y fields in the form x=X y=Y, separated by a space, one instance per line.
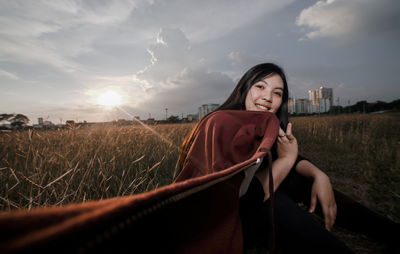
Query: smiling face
x=266 y=94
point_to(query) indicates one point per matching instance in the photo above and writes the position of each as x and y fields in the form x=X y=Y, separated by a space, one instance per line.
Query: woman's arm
x=321 y=190
x=287 y=154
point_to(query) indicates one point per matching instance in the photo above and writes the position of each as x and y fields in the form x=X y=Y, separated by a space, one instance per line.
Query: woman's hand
x=287 y=144
x=287 y=155
x=323 y=192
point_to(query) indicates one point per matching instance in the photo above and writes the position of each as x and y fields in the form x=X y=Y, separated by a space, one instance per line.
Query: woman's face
x=265 y=95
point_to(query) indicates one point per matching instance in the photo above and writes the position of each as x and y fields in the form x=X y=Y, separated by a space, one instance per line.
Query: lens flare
x=109 y=99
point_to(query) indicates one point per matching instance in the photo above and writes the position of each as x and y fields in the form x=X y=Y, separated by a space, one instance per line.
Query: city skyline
x=109 y=60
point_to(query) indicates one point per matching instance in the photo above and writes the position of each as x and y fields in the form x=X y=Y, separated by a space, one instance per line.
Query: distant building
x=206 y=108
x=47 y=123
x=192 y=117
x=299 y=106
x=291 y=105
x=321 y=99
x=40 y=120
x=37 y=126
x=150 y=121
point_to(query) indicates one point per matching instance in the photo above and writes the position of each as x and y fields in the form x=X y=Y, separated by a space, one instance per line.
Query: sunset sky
x=58 y=58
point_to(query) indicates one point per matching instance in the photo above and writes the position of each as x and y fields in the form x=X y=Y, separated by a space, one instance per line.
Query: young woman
x=296 y=180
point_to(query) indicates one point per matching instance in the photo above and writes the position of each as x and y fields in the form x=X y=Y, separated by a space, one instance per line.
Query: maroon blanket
x=196 y=214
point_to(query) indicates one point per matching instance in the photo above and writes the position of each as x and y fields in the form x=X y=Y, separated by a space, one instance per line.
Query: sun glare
x=109 y=99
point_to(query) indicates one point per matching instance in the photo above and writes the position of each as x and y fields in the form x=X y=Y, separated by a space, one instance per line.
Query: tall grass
x=359 y=152
x=58 y=167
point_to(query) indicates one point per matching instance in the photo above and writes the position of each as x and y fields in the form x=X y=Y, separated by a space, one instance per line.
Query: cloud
x=169 y=56
x=36 y=18
x=204 y=20
x=54 y=32
x=178 y=79
x=8 y=75
x=194 y=87
x=354 y=19
x=242 y=58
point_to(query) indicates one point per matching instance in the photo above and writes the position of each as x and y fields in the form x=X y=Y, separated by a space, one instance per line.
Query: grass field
x=361 y=154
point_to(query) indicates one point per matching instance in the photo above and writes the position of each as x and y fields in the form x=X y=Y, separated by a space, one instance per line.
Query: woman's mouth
x=262 y=107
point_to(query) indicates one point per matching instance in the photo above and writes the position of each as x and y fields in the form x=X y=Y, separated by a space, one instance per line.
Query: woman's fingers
x=289 y=133
x=313 y=202
x=289 y=129
x=324 y=192
x=330 y=216
x=281 y=133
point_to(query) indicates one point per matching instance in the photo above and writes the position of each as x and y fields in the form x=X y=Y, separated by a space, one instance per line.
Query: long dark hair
x=238 y=96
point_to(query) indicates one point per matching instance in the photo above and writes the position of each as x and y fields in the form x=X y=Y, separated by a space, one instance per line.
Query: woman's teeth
x=262 y=107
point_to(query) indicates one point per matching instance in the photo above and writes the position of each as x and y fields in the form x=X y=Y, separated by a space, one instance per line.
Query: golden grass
x=359 y=152
x=65 y=166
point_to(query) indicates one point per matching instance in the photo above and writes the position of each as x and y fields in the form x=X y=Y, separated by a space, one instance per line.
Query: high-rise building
x=292 y=105
x=321 y=99
x=192 y=117
x=206 y=108
x=299 y=106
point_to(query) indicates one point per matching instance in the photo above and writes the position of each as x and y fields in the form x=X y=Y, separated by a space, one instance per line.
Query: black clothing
x=296 y=231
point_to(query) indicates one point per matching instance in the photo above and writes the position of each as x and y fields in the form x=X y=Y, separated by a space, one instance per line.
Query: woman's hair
x=238 y=97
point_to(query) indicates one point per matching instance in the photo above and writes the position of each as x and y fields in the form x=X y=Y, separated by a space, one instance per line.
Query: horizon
x=30 y=123
x=78 y=60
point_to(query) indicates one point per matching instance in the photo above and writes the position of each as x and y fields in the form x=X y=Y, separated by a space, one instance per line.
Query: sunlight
x=109 y=99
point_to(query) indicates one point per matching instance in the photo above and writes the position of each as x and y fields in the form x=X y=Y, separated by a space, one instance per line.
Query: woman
x=264 y=88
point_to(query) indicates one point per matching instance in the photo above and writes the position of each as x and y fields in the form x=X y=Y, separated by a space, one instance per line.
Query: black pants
x=296 y=231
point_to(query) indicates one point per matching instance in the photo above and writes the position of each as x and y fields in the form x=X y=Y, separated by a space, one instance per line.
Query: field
x=361 y=154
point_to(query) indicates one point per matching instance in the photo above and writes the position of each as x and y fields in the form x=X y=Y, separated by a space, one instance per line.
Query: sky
x=58 y=57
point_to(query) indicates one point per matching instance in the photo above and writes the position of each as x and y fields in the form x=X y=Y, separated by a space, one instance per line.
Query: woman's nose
x=267 y=95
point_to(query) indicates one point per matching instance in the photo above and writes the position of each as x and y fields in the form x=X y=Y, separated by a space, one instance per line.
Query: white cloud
x=36 y=18
x=54 y=32
x=8 y=75
x=169 y=56
x=351 y=18
x=177 y=78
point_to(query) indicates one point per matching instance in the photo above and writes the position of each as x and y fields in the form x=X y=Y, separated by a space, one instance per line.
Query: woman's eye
x=259 y=86
x=279 y=94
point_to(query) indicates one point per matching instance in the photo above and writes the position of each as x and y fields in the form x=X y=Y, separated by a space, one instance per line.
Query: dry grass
x=359 y=152
x=59 y=167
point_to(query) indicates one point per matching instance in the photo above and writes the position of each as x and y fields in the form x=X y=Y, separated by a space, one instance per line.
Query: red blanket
x=196 y=214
